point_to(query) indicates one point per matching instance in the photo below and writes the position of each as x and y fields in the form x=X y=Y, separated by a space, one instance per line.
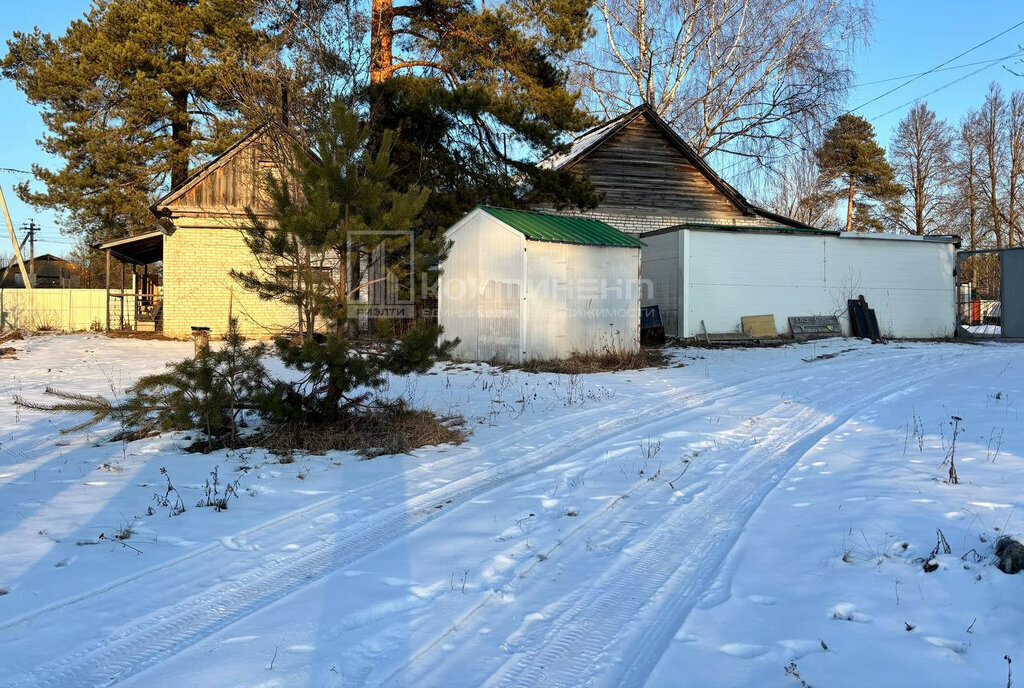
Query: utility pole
x=31 y=230
x=14 y=241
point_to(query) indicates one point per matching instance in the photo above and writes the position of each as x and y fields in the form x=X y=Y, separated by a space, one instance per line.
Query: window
x=285 y=275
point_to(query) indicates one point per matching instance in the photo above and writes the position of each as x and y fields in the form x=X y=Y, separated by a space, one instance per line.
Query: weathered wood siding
x=238 y=182
x=639 y=168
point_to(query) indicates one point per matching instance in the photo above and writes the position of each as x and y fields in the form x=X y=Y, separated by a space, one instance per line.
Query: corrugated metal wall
x=1012 y=291
x=732 y=274
x=910 y=284
x=480 y=290
x=581 y=299
x=510 y=299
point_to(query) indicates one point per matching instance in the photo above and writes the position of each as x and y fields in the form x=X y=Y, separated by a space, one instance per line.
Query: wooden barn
x=50 y=271
x=712 y=257
x=651 y=179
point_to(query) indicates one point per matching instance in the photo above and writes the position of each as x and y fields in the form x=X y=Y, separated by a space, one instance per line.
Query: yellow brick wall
x=199 y=290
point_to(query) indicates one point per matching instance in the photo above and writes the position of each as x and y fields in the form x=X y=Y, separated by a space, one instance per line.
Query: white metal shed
x=715 y=275
x=520 y=285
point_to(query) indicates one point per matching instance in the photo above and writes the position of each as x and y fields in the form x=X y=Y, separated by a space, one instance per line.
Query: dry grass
x=600 y=362
x=11 y=336
x=386 y=430
x=132 y=334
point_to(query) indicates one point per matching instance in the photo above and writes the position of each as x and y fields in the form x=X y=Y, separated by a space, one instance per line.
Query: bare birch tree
x=920 y=155
x=797 y=191
x=1015 y=171
x=992 y=126
x=737 y=76
x=967 y=175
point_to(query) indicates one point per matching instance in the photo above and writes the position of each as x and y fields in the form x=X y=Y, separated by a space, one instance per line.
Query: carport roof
x=140 y=249
x=562 y=229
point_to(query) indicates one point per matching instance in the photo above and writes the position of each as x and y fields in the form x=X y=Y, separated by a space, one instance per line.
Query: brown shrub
x=133 y=334
x=384 y=430
x=600 y=362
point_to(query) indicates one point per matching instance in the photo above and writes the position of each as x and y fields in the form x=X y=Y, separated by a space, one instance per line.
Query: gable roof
x=205 y=170
x=591 y=140
x=562 y=229
x=44 y=258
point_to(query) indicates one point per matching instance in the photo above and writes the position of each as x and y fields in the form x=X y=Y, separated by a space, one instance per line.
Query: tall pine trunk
x=181 y=134
x=382 y=35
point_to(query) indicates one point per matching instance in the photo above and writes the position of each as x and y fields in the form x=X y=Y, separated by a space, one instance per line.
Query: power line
x=994 y=60
x=934 y=91
x=939 y=66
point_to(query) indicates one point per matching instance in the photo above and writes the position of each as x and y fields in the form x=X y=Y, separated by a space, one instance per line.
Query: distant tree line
x=136 y=94
x=964 y=178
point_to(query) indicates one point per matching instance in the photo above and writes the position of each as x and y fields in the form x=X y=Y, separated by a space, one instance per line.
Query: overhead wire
x=992 y=60
x=936 y=90
x=938 y=66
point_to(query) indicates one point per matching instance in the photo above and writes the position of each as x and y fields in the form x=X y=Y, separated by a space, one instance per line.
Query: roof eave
x=162 y=207
x=613 y=125
x=777 y=217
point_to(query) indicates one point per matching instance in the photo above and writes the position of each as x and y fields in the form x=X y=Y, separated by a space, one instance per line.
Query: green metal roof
x=566 y=230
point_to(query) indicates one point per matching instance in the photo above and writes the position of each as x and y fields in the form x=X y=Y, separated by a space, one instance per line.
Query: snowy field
x=702 y=524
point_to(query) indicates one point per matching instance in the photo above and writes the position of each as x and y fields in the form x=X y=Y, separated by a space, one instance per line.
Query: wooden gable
x=639 y=167
x=234 y=181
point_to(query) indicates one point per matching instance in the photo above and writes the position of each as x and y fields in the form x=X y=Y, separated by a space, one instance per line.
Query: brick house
x=198 y=241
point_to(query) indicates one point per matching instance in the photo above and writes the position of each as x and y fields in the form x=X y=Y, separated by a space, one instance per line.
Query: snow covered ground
x=702 y=524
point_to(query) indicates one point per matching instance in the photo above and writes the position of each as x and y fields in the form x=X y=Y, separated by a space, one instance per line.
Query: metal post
x=122 y=295
x=107 y=289
x=32 y=229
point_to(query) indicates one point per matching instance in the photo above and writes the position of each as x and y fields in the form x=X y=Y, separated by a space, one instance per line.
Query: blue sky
x=910 y=36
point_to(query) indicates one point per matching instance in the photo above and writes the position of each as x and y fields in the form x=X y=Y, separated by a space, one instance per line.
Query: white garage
x=705 y=278
x=519 y=285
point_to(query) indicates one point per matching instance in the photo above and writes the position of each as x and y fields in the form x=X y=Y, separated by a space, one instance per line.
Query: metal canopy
x=141 y=249
x=562 y=229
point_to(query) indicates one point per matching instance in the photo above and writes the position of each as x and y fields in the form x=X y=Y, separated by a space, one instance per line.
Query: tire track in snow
x=147 y=640
x=281 y=522
x=634 y=607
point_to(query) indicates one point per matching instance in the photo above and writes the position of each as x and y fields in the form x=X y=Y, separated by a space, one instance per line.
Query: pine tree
x=312 y=249
x=132 y=95
x=209 y=393
x=474 y=92
x=854 y=164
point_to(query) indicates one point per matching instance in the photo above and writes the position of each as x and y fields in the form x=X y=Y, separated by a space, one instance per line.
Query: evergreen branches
x=209 y=393
x=132 y=95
